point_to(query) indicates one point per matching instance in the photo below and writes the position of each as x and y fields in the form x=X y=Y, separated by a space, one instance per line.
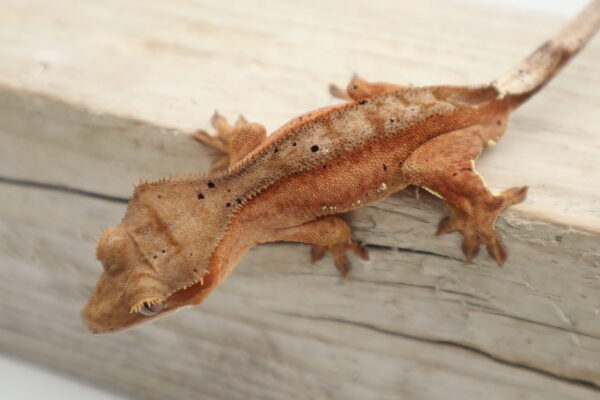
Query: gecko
x=182 y=236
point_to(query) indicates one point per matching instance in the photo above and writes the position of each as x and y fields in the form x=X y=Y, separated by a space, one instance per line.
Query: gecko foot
x=359 y=89
x=221 y=141
x=232 y=142
x=338 y=252
x=476 y=224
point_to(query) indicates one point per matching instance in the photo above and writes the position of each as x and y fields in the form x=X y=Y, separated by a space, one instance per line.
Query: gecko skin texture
x=182 y=236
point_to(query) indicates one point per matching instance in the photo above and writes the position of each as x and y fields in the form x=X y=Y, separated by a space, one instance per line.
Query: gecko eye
x=149 y=309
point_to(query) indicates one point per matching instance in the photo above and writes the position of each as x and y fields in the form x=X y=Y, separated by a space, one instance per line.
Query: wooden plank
x=172 y=63
x=416 y=288
x=70 y=121
x=400 y=327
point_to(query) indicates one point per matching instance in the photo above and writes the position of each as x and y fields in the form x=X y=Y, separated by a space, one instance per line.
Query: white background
x=24 y=381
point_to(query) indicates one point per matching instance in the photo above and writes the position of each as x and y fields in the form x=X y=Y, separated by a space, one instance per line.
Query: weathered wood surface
x=95 y=96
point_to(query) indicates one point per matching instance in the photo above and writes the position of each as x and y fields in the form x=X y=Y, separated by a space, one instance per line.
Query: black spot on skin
x=454 y=174
x=384 y=167
x=155 y=257
x=300 y=118
x=228 y=205
x=200 y=196
x=314 y=148
x=294 y=144
x=239 y=201
x=362 y=102
x=211 y=185
x=159 y=196
x=276 y=150
x=195 y=270
x=190 y=254
x=163 y=251
x=392 y=120
x=325 y=166
x=355 y=87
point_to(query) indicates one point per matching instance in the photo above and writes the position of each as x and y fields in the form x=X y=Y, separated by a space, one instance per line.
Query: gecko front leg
x=445 y=166
x=329 y=234
x=233 y=142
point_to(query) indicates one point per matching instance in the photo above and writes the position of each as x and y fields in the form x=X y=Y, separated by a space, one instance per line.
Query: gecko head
x=153 y=264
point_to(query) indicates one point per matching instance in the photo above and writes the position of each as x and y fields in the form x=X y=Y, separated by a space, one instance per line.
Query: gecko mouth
x=193 y=293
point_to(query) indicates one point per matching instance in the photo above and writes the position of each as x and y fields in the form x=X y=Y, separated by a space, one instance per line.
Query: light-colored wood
x=172 y=63
x=96 y=95
x=405 y=325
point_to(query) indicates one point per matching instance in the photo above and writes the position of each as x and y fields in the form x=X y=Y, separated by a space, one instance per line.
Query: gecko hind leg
x=233 y=142
x=445 y=167
x=329 y=234
x=359 y=89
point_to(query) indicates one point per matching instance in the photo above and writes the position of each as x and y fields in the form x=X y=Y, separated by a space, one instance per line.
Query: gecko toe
x=497 y=251
x=470 y=249
x=218 y=121
x=445 y=226
x=338 y=92
x=338 y=253
x=317 y=253
x=361 y=251
x=342 y=265
x=514 y=195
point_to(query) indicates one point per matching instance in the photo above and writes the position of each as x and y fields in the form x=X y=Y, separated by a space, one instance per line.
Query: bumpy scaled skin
x=182 y=236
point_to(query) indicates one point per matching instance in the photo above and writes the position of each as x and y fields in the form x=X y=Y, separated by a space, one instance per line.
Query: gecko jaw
x=187 y=294
x=189 y=285
x=151 y=301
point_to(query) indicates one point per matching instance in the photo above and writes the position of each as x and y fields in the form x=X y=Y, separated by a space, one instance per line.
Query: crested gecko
x=182 y=236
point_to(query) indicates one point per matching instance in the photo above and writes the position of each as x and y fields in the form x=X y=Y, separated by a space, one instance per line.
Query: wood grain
x=94 y=96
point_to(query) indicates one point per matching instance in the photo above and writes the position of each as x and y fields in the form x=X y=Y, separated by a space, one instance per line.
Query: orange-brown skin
x=182 y=236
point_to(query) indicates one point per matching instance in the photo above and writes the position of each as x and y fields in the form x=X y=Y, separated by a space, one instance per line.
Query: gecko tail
x=535 y=71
